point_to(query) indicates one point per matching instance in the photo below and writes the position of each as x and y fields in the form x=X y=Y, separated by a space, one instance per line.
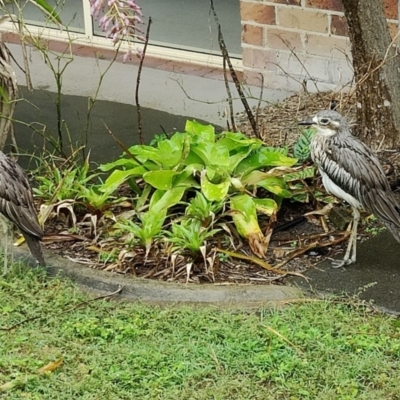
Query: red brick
x=307 y=20
x=9 y=37
x=253 y=78
x=327 y=46
x=287 y=2
x=390 y=7
x=339 y=25
x=394 y=30
x=252 y=34
x=332 y=5
x=259 y=13
x=286 y=40
x=272 y=80
x=259 y=58
x=301 y=65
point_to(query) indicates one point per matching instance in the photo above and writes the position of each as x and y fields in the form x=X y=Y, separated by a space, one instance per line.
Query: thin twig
x=25 y=57
x=230 y=101
x=139 y=109
x=260 y=99
x=260 y=262
x=285 y=339
x=121 y=144
x=312 y=245
x=232 y=71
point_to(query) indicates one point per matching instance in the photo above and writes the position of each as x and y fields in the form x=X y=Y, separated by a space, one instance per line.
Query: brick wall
x=288 y=41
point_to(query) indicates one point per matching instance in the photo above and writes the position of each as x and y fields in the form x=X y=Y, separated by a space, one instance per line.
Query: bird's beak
x=308 y=121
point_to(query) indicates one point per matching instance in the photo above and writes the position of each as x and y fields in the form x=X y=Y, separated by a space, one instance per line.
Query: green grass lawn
x=117 y=350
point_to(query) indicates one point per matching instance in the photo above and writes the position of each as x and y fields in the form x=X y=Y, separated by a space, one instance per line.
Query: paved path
x=375 y=276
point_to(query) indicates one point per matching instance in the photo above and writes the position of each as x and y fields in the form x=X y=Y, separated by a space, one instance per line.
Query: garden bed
x=298 y=236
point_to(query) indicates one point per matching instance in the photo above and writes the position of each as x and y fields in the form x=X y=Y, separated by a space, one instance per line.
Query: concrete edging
x=157 y=292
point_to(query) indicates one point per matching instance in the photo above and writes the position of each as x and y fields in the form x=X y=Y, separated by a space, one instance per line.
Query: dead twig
x=139 y=109
x=232 y=71
x=259 y=262
x=285 y=339
x=301 y=251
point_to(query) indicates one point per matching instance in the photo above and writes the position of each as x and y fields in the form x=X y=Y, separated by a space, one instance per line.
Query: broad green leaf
x=171 y=152
x=303 y=173
x=266 y=206
x=193 y=159
x=212 y=191
x=161 y=179
x=121 y=162
x=118 y=177
x=301 y=148
x=245 y=217
x=162 y=200
x=236 y=158
x=144 y=152
x=256 y=176
x=235 y=140
x=200 y=132
x=210 y=173
x=213 y=155
x=276 y=186
x=282 y=150
x=48 y=10
x=186 y=178
x=264 y=157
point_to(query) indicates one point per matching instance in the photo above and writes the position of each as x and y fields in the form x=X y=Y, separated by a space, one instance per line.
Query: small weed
x=189 y=235
x=374 y=230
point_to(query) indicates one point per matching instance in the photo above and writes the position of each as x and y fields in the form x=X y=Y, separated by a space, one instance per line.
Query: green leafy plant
x=148 y=225
x=216 y=167
x=158 y=138
x=301 y=149
x=61 y=182
x=197 y=177
x=189 y=235
x=202 y=209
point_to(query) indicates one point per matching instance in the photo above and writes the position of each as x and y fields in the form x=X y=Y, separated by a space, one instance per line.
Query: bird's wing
x=16 y=200
x=352 y=166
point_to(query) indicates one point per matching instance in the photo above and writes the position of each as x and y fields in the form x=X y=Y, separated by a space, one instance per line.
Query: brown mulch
x=278 y=122
x=308 y=240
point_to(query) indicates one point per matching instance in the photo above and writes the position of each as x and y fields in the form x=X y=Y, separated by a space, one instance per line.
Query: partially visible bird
x=352 y=172
x=16 y=204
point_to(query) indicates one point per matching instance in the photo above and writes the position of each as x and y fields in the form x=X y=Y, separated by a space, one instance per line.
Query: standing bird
x=352 y=172
x=16 y=204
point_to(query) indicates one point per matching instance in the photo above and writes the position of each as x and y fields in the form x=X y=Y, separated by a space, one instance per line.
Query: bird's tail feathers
x=36 y=249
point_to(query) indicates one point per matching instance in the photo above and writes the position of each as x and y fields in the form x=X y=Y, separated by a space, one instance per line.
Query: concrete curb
x=164 y=293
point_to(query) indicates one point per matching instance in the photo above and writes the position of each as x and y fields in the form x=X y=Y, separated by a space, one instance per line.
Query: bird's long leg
x=352 y=246
x=7 y=242
x=356 y=220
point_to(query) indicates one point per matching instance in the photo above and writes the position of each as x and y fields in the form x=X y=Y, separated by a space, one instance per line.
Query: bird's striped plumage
x=16 y=204
x=351 y=171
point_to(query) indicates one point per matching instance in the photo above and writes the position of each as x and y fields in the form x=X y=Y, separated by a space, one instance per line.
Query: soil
x=298 y=240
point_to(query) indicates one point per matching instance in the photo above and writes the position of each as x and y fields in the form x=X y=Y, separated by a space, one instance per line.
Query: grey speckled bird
x=16 y=204
x=352 y=172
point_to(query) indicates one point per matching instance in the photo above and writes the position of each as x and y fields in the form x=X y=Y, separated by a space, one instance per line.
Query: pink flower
x=120 y=21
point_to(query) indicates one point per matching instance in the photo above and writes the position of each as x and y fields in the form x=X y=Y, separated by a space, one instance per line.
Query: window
x=70 y=11
x=177 y=24
x=190 y=25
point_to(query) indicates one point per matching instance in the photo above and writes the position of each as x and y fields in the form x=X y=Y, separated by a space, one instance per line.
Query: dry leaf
x=51 y=366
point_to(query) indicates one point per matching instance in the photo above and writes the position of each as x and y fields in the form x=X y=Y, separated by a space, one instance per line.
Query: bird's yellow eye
x=324 y=121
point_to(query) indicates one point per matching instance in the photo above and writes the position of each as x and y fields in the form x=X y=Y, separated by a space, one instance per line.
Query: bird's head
x=327 y=122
